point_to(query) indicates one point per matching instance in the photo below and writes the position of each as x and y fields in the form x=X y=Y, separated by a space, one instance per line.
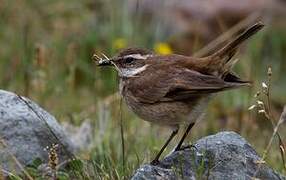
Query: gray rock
x=24 y=133
x=225 y=155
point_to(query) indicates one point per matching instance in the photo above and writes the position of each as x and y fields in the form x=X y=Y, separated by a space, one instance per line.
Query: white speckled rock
x=24 y=135
x=225 y=155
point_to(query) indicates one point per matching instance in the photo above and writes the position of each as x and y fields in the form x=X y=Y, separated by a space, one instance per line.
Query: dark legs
x=156 y=160
x=178 y=147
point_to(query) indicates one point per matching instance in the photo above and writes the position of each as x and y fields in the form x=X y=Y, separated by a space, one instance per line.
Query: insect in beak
x=105 y=61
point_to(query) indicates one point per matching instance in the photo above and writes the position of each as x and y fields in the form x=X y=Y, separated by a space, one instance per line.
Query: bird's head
x=129 y=62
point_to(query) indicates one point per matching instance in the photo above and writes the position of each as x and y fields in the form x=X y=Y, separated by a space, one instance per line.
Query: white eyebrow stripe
x=138 y=56
x=131 y=72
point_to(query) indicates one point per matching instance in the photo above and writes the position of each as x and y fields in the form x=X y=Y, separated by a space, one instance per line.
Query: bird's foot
x=155 y=162
x=188 y=146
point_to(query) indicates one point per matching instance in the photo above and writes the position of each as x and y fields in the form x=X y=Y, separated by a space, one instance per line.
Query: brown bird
x=173 y=90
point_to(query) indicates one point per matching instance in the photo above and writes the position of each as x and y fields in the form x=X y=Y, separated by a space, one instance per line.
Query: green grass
x=62 y=78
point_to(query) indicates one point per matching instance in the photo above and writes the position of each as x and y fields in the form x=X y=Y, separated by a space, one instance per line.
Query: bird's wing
x=176 y=84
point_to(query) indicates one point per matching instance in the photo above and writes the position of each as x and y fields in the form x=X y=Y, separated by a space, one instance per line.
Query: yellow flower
x=119 y=43
x=163 y=48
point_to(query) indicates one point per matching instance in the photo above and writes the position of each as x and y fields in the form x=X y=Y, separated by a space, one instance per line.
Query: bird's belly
x=168 y=113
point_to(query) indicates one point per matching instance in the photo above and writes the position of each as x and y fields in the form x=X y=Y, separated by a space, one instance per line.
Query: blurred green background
x=46 y=49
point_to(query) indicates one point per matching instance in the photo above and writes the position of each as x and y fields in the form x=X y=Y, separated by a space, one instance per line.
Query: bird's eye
x=129 y=60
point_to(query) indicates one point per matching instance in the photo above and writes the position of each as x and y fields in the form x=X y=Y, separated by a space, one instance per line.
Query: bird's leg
x=178 y=147
x=156 y=160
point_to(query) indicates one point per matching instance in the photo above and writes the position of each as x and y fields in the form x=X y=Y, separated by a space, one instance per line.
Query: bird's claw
x=154 y=162
x=189 y=146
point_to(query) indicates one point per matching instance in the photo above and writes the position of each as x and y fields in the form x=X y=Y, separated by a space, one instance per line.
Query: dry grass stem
x=16 y=160
x=275 y=131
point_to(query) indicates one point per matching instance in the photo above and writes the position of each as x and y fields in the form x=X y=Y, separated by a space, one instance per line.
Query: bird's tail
x=222 y=59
